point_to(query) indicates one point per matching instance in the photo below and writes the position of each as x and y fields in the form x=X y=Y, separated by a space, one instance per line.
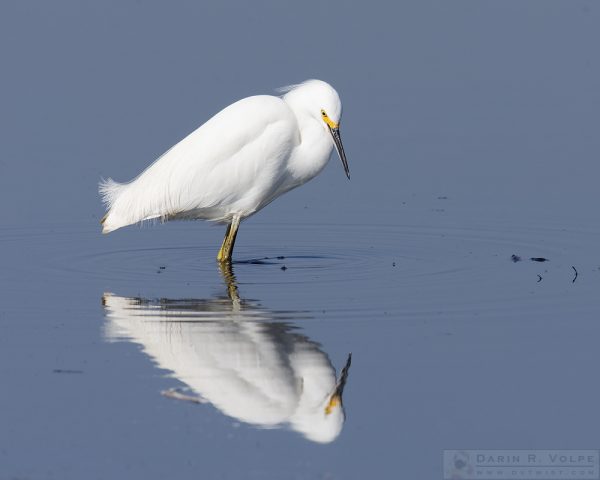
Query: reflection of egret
x=231 y=354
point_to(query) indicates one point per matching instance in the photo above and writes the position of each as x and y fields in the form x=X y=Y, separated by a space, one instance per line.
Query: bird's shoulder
x=255 y=112
x=242 y=124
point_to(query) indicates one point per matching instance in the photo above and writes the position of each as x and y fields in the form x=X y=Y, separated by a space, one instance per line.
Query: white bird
x=235 y=164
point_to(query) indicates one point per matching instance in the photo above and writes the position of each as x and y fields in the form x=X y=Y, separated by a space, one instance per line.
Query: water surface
x=471 y=130
x=140 y=344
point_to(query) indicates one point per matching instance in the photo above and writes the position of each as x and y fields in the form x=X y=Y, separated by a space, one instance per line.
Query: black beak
x=337 y=141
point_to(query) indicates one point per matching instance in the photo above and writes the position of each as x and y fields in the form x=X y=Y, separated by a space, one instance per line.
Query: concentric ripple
x=343 y=270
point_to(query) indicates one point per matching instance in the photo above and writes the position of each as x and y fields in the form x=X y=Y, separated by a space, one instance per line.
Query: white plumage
x=236 y=163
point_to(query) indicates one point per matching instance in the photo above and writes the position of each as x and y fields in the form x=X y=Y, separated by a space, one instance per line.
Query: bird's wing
x=229 y=163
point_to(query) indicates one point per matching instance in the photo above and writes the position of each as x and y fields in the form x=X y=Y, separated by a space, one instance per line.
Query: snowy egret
x=235 y=164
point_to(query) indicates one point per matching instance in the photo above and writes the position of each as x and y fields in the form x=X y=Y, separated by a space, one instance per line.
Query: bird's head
x=320 y=101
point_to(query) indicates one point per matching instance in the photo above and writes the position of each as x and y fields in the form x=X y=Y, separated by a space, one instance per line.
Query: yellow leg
x=226 y=250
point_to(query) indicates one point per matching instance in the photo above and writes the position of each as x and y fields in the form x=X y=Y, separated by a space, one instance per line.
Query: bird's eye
x=323 y=113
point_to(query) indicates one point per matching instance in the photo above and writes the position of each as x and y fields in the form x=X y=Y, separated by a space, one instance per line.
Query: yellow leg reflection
x=230 y=282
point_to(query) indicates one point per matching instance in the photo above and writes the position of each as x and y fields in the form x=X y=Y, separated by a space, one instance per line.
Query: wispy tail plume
x=109 y=191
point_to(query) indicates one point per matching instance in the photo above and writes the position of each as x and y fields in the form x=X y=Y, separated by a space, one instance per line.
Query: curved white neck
x=313 y=151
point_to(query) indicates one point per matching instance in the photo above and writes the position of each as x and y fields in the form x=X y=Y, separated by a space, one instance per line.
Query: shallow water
x=136 y=353
x=471 y=130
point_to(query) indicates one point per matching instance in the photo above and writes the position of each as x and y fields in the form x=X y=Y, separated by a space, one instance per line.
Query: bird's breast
x=311 y=155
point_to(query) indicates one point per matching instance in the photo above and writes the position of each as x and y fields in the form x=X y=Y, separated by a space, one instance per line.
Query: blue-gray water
x=471 y=130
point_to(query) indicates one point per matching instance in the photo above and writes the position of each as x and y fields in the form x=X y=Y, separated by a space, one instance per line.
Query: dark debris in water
x=66 y=370
x=256 y=261
x=516 y=258
x=274 y=260
x=284 y=268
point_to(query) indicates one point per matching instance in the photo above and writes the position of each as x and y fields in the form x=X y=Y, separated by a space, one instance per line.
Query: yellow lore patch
x=328 y=120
